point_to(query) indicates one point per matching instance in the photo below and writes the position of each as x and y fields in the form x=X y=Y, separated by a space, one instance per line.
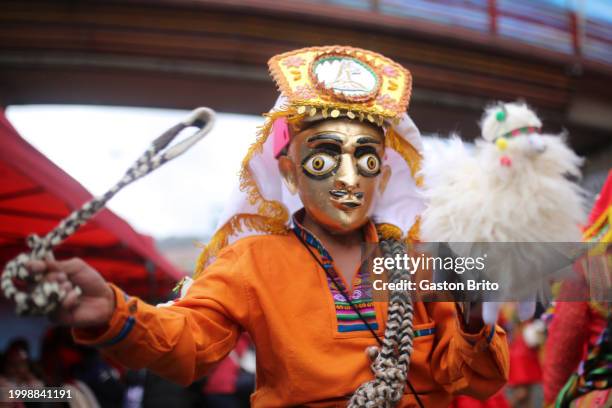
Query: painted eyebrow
x=367 y=140
x=324 y=136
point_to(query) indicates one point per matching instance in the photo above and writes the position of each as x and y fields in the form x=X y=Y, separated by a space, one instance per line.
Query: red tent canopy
x=35 y=195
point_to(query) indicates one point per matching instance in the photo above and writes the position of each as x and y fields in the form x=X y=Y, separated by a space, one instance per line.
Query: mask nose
x=347 y=177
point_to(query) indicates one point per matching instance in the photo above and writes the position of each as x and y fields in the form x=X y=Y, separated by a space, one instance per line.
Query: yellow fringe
x=407 y=151
x=389 y=231
x=413 y=159
x=601 y=246
x=271 y=215
x=235 y=225
x=600 y=249
x=605 y=217
x=415 y=232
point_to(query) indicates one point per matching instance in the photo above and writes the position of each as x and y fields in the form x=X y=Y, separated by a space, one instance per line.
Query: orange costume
x=271 y=287
x=281 y=285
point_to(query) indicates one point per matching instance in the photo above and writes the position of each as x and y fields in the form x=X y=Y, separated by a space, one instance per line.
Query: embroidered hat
x=326 y=82
x=343 y=80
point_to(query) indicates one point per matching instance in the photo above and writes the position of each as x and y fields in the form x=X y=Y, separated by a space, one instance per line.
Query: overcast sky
x=96 y=144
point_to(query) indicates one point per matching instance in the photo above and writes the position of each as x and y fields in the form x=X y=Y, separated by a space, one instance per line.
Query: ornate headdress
x=327 y=82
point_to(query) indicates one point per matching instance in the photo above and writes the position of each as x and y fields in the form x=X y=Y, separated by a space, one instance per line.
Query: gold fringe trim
x=413 y=158
x=598 y=225
x=605 y=217
x=389 y=231
x=271 y=217
x=235 y=225
x=336 y=108
x=415 y=231
x=407 y=151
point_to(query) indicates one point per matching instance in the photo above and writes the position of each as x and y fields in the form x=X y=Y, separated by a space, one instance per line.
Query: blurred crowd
x=96 y=382
x=546 y=353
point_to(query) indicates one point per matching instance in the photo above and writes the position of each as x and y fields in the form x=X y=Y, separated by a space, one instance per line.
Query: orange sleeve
x=472 y=364
x=181 y=341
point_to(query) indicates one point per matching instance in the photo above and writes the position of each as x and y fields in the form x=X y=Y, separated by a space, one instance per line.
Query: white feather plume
x=522 y=193
x=473 y=198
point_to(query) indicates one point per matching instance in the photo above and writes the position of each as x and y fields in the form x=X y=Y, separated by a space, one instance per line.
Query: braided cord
x=44 y=297
x=390 y=362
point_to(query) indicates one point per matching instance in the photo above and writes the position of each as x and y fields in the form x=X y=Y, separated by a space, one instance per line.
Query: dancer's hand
x=474 y=323
x=526 y=310
x=93 y=307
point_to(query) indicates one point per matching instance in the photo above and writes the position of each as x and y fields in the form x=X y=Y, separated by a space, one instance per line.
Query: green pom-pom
x=500 y=116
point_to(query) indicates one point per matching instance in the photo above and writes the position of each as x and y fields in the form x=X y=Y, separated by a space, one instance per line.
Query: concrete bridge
x=186 y=53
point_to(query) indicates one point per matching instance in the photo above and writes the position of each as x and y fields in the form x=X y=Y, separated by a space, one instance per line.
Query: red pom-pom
x=505 y=161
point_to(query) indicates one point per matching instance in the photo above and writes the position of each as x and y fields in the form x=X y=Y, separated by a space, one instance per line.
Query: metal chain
x=33 y=296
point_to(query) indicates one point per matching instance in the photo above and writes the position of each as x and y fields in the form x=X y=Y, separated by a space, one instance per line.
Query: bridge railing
x=538 y=23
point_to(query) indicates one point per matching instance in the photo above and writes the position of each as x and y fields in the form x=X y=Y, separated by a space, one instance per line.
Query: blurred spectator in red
x=577 y=328
x=498 y=400
x=17 y=368
x=161 y=393
x=68 y=365
x=5 y=383
x=525 y=369
x=231 y=383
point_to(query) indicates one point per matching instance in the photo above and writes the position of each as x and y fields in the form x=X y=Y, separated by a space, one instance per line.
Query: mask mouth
x=350 y=204
x=346 y=200
x=345 y=193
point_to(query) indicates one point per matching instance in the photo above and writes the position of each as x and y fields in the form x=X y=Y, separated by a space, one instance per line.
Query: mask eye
x=319 y=164
x=369 y=164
